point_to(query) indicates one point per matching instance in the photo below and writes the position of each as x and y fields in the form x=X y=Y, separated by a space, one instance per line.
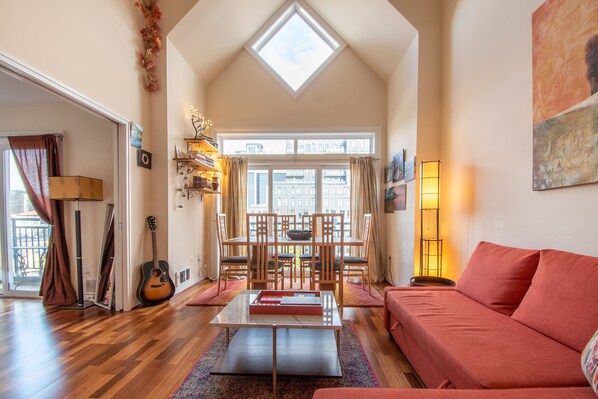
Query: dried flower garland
x=152 y=41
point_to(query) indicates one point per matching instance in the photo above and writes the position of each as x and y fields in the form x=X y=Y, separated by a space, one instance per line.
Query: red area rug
x=200 y=384
x=353 y=295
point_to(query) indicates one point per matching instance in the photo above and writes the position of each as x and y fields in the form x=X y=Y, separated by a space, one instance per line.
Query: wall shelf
x=196 y=167
x=201 y=191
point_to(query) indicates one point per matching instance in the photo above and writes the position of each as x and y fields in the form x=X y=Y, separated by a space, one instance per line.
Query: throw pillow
x=561 y=302
x=589 y=362
x=498 y=276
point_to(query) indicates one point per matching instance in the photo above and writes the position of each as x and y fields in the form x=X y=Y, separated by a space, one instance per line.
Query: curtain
x=37 y=160
x=364 y=199
x=234 y=195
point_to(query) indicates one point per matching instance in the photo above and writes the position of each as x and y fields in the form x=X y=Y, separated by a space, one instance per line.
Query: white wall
x=187 y=239
x=415 y=126
x=402 y=134
x=87 y=151
x=345 y=95
x=487 y=140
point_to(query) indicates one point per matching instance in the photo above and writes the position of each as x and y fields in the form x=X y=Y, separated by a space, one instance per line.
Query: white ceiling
x=15 y=90
x=214 y=31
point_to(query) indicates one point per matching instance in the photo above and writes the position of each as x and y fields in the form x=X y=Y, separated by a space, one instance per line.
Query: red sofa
x=516 y=319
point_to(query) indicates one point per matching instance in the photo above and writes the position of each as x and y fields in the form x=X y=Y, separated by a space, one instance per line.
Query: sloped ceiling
x=214 y=31
x=15 y=90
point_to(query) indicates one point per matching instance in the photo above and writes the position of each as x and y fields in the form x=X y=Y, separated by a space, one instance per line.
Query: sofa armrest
x=389 y=289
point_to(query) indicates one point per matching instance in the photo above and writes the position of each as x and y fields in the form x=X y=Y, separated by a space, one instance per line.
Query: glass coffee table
x=279 y=344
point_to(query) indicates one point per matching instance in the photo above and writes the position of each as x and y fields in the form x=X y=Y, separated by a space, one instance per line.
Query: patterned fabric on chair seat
x=235 y=259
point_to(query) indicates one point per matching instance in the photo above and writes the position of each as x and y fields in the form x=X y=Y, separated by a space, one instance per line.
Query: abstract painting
x=388 y=170
x=400 y=197
x=565 y=93
x=398 y=162
x=389 y=206
x=410 y=169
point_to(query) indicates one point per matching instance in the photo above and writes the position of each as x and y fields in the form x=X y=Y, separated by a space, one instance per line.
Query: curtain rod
x=6 y=134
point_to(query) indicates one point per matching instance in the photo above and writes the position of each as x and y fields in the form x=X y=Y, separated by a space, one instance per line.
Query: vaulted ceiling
x=214 y=31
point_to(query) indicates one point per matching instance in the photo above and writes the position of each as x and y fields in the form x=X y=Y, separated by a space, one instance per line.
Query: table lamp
x=77 y=188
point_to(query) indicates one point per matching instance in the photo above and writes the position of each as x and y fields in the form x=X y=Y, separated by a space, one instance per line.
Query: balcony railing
x=30 y=237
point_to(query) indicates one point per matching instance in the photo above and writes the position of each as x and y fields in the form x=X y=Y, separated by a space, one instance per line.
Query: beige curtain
x=234 y=195
x=364 y=199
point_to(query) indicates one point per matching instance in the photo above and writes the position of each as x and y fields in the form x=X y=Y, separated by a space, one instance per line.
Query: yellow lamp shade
x=430 y=185
x=71 y=188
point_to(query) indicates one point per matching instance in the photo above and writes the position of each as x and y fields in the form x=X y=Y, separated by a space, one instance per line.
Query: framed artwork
x=388 y=200
x=398 y=162
x=399 y=197
x=144 y=159
x=136 y=134
x=565 y=93
x=388 y=170
x=410 y=169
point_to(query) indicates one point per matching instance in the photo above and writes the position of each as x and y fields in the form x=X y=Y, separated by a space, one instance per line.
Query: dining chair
x=229 y=265
x=263 y=264
x=306 y=252
x=286 y=252
x=328 y=268
x=359 y=265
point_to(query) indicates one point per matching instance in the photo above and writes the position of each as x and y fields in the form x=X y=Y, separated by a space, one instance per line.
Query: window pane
x=261 y=146
x=337 y=193
x=295 y=51
x=296 y=188
x=331 y=146
x=257 y=191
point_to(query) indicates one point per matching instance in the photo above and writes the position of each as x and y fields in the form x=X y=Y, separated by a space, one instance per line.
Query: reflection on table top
x=236 y=314
x=350 y=241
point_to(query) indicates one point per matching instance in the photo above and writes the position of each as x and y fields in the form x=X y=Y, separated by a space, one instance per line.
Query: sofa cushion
x=589 y=362
x=498 y=276
x=389 y=393
x=477 y=347
x=561 y=302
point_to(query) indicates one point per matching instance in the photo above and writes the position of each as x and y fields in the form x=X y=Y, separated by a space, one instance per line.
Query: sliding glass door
x=23 y=235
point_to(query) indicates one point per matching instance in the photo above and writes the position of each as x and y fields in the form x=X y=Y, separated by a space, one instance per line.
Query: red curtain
x=37 y=160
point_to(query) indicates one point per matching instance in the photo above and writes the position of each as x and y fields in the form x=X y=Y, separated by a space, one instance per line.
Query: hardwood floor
x=48 y=352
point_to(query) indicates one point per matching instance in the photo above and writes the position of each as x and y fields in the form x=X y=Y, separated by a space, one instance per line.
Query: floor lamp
x=77 y=188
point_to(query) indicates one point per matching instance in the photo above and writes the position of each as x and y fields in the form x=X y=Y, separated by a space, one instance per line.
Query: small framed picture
x=178 y=153
x=410 y=169
x=136 y=134
x=144 y=159
x=398 y=166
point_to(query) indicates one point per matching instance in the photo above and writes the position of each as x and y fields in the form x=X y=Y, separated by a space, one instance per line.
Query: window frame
x=273 y=26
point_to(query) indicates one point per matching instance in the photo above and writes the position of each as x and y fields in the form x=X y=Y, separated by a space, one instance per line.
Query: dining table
x=307 y=242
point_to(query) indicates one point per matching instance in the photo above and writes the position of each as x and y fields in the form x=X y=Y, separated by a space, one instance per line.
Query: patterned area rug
x=353 y=295
x=199 y=384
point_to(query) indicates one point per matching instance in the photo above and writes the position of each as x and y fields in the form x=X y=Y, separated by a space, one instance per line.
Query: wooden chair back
x=264 y=250
x=366 y=235
x=323 y=238
x=222 y=236
x=286 y=223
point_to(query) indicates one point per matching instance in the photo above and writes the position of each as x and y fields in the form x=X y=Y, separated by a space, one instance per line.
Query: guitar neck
x=155 y=250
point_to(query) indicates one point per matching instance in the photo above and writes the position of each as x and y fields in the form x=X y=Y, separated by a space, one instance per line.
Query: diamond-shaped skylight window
x=295 y=45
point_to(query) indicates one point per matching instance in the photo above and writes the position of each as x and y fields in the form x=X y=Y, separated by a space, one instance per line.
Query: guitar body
x=156 y=286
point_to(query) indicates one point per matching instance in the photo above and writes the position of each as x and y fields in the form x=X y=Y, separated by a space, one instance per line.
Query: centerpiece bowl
x=299 y=234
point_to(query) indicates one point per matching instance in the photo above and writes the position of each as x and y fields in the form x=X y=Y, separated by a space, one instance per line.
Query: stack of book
x=209 y=140
x=204 y=159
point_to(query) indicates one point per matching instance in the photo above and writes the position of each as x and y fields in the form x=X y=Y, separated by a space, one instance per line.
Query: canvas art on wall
x=136 y=132
x=388 y=169
x=400 y=197
x=410 y=169
x=398 y=162
x=565 y=97
x=389 y=206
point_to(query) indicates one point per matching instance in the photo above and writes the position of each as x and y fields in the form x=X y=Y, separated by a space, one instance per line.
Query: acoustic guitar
x=156 y=286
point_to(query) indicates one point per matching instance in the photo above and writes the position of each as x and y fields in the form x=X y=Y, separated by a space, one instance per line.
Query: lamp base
x=78 y=306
